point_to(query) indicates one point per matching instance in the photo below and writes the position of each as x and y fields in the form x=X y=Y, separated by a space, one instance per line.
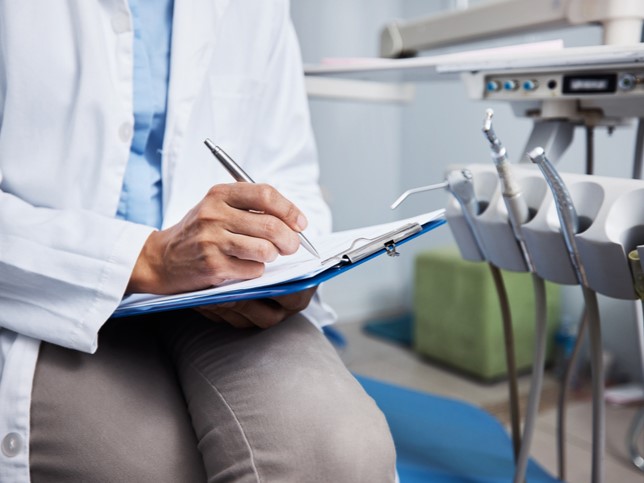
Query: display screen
x=589 y=84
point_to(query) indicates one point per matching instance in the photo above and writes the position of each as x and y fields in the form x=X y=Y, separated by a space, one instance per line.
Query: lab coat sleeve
x=284 y=151
x=62 y=272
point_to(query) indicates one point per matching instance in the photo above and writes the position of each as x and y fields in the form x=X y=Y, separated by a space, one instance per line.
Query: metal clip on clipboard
x=387 y=241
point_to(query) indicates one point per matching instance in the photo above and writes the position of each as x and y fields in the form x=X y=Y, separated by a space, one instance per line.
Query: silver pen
x=240 y=175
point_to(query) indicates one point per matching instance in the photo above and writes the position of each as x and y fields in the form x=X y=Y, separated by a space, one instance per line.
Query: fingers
x=257 y=211
x=224 y=315
x=267 y=228
x=230 y=234
x=247 y=313
x=261 y=198
x=263 y=313
x=297 y=301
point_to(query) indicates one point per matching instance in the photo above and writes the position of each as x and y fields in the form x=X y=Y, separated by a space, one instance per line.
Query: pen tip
x=210 y=144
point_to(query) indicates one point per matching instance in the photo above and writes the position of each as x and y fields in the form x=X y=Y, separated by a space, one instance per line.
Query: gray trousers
x=177 y=398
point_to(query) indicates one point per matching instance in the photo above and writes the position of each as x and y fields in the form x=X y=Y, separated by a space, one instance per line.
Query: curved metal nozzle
x=412 y=191
x=460 y=184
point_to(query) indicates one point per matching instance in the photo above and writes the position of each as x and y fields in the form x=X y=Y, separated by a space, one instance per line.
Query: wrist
x=145 y=276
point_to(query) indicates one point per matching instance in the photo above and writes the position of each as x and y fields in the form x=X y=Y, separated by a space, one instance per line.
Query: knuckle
x=202 y=243
x=202 y=216
x=266 y=252
x=210 y=263
x=291 y=212
x=276 y=317
x=271 y=226
x=230 y=246
x=267 y=194
x=270 y=319
x=292 y=244
x=299 y=305
x=219 y=192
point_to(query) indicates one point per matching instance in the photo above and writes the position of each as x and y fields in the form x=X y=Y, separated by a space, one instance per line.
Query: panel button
x=626 y=82
x=11 y=445
x=493 y=86
x=121 y=23
x=530 y=84
x=510 y=85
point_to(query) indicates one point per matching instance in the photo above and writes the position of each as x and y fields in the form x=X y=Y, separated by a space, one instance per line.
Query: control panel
x=517 y=86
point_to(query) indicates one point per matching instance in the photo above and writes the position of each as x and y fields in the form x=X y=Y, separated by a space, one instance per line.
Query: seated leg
x=277 y=405
x=117 y=415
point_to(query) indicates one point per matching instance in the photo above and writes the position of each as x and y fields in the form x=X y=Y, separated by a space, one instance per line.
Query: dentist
x=106 y=188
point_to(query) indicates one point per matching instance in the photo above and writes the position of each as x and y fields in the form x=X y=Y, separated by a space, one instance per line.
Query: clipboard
x=361 y=251
x=358 y=250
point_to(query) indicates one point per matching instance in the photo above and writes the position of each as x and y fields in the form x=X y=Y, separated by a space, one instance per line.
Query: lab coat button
x=121 y=23
x=11 y=445
x=125 y=132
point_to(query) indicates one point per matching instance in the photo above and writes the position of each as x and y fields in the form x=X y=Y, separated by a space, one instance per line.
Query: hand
x=230 y=234
x=262 y=313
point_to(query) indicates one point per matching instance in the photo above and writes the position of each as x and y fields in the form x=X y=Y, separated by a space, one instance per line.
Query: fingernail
x=302 y=222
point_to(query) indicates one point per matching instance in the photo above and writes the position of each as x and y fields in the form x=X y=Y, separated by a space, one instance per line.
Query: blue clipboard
x=345 y=261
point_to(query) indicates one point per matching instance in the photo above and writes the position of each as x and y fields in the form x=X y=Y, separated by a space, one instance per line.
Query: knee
x=293 y=410
x=340 y=433
x=333 y=427
x=354 y=443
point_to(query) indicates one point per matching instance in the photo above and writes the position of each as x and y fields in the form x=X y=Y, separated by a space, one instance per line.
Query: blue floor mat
x=398 y=329
x=446 y=441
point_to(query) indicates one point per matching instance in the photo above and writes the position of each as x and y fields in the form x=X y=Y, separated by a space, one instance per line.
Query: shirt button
x=125 y=132
x=11 y=445
x=121 y=23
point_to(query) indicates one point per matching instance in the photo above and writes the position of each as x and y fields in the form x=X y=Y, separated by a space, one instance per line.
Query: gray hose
x=581 y=331
x=564 y=387
x=569 y=226
x=537 y=376
x=597 y=368
x=508 y=334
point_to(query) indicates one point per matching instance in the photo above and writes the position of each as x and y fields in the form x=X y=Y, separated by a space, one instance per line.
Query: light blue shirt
x=141 y=195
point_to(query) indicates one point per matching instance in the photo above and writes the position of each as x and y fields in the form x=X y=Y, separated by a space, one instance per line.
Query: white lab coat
x=65 y=130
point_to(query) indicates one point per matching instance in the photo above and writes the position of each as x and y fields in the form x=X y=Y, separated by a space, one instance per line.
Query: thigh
x=277 y=405
x=114 y=416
